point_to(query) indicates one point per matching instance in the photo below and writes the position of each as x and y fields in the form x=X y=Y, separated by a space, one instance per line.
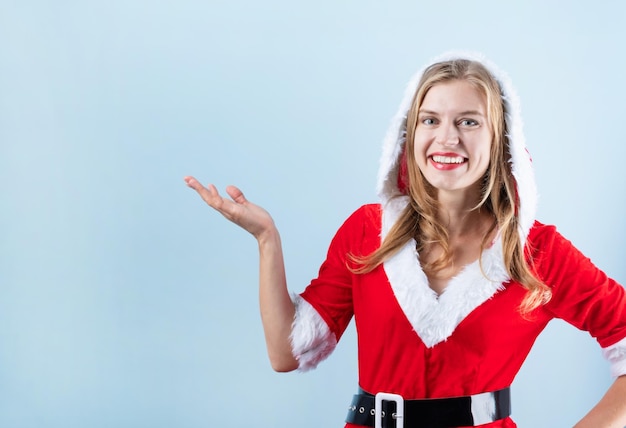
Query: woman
x=450 y=278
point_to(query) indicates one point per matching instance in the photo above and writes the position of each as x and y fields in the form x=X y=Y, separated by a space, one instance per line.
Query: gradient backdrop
x=125 y=302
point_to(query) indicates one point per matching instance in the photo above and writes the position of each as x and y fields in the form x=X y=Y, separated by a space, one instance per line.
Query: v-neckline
x=465 y=267
x=434 y=317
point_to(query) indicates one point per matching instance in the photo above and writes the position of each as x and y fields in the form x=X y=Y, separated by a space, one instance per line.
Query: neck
x=459 y=214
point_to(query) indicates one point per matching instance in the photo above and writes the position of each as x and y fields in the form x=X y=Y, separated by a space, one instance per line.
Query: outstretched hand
x=277 y=309
x=239 y=210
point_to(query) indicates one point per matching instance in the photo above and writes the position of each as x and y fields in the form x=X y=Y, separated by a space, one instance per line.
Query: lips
x=446 y=161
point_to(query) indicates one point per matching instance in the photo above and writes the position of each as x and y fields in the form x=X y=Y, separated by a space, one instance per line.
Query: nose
x=447 y=135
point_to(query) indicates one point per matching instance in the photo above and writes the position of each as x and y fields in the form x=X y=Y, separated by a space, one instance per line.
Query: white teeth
x=446 y=159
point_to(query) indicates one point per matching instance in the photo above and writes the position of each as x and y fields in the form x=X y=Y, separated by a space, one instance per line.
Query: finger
x=198 y=187
x=209 y=194
x=192 y=182
x=236 y=194
x=229 y=209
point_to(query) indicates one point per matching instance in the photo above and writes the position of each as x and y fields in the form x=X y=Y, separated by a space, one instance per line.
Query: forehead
x=453 y=97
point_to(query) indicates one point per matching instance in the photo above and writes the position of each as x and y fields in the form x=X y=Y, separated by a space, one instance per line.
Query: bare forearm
x=610 y=412
x=277 y=309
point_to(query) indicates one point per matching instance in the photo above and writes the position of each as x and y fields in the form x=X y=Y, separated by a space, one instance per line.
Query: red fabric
x=486 y=350
x=403 y=173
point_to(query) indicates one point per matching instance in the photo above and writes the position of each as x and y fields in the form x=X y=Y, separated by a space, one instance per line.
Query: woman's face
x=453 y=137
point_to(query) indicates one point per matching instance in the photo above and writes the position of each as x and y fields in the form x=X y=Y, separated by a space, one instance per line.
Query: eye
x=428 y=121
x=468 y=122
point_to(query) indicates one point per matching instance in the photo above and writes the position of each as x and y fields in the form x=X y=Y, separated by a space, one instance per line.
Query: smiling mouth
x=448 y=160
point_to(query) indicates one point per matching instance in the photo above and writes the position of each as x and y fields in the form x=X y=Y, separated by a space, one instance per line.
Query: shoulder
x=544 y=239
x=369 y=214
x=361 y=227
x=554 y=258
x=541 y=232
x=547 y=249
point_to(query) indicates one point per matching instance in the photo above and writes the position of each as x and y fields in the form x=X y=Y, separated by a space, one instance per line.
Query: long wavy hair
x=419 y=219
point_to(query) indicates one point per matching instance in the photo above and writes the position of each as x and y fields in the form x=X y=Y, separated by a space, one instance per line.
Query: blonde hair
x=419 y=219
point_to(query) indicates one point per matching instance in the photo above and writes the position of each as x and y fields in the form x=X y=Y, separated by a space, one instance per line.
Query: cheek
x=485 y=159
x=419 y=146
x=488 y=151
x=483 y=148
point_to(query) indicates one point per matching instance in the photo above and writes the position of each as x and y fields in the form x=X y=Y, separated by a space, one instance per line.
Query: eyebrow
x=463 y=113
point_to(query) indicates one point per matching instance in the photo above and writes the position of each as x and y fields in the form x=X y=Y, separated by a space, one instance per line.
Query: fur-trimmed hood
x=394 y=200
x=435 y=317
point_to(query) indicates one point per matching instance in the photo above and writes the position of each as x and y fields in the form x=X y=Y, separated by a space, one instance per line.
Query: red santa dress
x=472 y=338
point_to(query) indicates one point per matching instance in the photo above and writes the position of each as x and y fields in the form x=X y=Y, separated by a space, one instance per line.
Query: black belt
x=466 y=411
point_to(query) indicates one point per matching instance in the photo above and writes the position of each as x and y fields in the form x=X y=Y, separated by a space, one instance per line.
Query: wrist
x=268 y=237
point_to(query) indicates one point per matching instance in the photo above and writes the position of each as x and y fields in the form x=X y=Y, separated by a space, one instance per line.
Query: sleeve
x=324 y=309
x=584 y=296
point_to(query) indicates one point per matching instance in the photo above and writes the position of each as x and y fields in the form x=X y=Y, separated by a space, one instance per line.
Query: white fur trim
x=433 y=317
x=311 y=339
x=616 y=355
x=520 y=159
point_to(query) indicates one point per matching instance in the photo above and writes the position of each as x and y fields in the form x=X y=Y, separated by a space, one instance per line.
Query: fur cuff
x=616 y=354
x=311 y=339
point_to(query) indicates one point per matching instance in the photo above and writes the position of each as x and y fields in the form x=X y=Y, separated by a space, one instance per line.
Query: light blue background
x=125 y=302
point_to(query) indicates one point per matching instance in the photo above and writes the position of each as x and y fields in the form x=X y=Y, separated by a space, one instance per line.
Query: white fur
x=311 y=339
x=433 y=317
x=616 y=355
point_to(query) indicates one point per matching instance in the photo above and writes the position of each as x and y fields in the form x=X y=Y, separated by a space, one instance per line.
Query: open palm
x=238 y=209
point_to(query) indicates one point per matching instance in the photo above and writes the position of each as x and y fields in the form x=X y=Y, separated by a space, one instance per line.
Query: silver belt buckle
x=378 y=409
